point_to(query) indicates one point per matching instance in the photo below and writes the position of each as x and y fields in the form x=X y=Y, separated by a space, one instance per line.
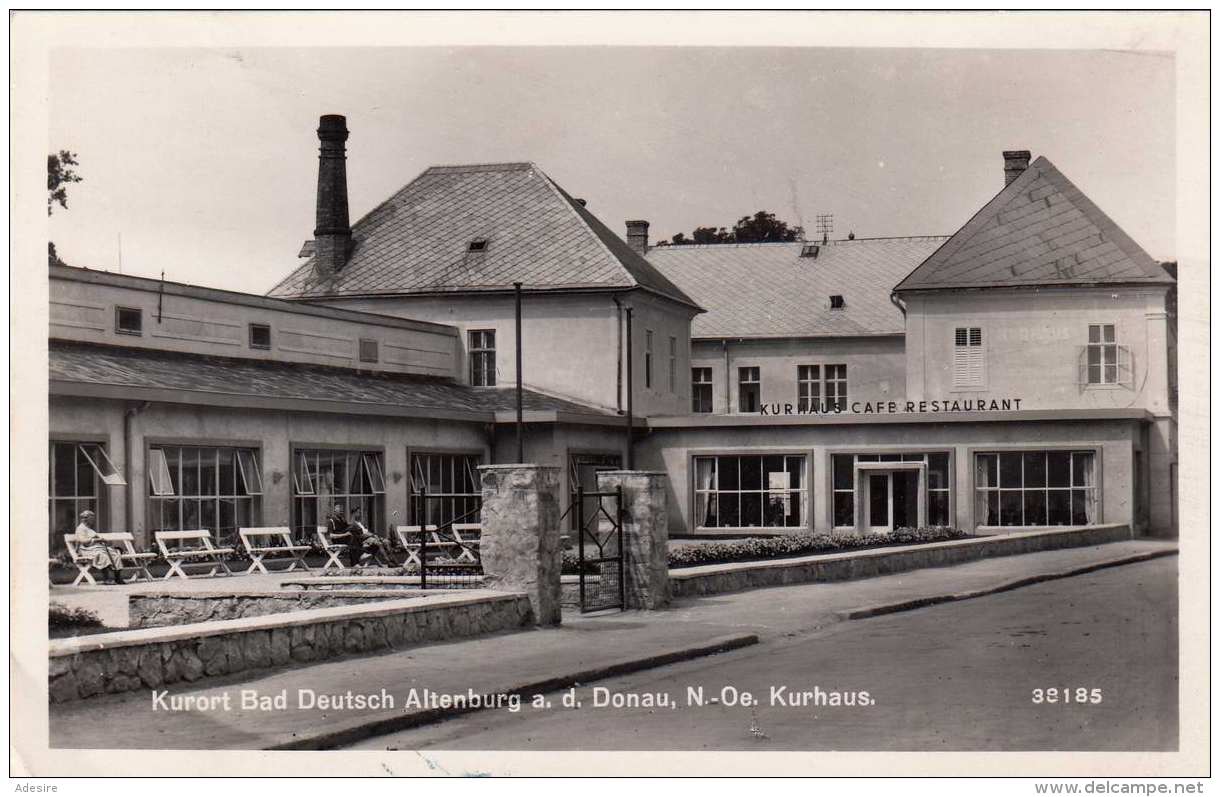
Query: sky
x=204 y=162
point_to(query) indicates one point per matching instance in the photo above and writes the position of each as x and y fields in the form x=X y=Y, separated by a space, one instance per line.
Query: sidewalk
x=584 y=649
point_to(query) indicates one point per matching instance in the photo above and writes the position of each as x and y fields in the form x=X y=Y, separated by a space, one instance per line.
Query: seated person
x=90 y=545
x=344 y=533
x=372 y=547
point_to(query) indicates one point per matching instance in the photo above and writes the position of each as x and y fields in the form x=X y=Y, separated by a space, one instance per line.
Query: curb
x=359 y=730
x=932 y=600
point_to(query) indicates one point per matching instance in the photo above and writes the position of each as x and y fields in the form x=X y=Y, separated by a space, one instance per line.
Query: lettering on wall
x=895 y=407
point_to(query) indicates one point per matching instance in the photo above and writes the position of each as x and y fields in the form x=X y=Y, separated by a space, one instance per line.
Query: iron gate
x=601 y=564
x=446 y=553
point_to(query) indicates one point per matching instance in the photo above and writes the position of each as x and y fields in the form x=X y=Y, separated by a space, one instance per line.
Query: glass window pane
x=207 y=516
x=1011 y=507
x=938 y=508
x=844 y=509
x=84 y=475
x=1035 y=508
x=1094 y=333
x=891 y=457
x=1058 y=508
x=727 y=473
x=250 y=472
x=302 y=482
x=190 y=473
x=938 y=470
x=1082 y=469
x=102 y=466
x=207 y=471
x=1010 y=470
x=226 y=473
x=1107 y=333
x=751 y=509
x=842 y=464
x=160 y=477
x=751 y=473
x=63 y=469
x=796 y=471
x=730 y=515
x=1035 y=469
x=1058 y=464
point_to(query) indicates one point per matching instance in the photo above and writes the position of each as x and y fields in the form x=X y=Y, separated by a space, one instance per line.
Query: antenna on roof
x=825 y=226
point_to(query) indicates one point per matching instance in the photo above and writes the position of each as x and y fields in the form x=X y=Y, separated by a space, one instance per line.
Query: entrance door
x=905 y=503
x=880 y=501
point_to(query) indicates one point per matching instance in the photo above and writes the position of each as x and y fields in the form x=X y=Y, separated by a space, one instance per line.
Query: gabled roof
x=770 y=290
x=1040 y=230
x=418 y=241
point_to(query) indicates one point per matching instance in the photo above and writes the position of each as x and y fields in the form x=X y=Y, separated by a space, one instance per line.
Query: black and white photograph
x=518 y=393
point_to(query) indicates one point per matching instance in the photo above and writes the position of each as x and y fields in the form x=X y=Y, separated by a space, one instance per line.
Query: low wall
x=150 y=658
x=847 y=565
x=153 y=610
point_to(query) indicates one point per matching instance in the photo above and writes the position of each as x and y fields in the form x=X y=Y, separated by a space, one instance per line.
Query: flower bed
x=789 y=545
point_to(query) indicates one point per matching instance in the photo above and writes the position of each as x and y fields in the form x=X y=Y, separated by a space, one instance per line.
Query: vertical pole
x=520 y=423
x=579 y=506
x=423 y=538
x=630 y=391
x=622 y=554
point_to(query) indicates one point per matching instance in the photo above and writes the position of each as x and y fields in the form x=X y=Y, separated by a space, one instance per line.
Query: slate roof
x=417 y=241
x=143 y=368
x=1040 y=230
x=769 y=290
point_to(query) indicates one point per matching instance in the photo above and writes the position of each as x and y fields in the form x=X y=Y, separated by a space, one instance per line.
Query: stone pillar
x=645 y=535
x=520 y=539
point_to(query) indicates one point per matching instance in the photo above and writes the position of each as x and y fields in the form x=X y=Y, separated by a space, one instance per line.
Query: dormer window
x=837 y=302
x=477 y=245
x=810 y=250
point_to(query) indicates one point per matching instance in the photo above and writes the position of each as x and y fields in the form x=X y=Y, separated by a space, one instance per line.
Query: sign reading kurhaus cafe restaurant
x=893 y=407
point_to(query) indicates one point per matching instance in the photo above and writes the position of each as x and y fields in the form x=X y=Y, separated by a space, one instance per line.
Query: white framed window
x=673 y=364
x=482 y=357
x=77 y=473
x=748 y=491
x=821 y=388
x=1104 y=361
x=648 y=358
x=129 y=321
x=1035 y=488
x=324 y=477
x=701 y=390
x=969 y=357
x=749 y=389
x=204 y=487
x=453 y=487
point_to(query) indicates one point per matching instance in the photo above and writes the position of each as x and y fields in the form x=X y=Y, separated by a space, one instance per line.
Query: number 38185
x=1080 y=694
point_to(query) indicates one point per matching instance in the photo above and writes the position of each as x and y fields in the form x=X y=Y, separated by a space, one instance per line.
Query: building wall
x=273 y=433
x=875 y=367
x=1033 y=342
x=571 y=342
x=85 y=311
x=1116 y=442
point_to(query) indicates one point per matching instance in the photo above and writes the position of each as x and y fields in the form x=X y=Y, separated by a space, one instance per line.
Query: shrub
x=803 y=544
x=60 y=616
x=571 y=565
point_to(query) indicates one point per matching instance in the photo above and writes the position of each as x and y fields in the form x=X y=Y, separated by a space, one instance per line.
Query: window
x=1102 y=355
x=1035 y=488
x=482 y=357
x=368 y=350
x=203 y=487
x=77 y=473
x=673 y=364
x=821 y=388
x=453 y=487
x=477 y=245
x=808 y=387
x=260 y=336
x=750 y=491
x=844 y=484
x=837 y=302
x=322 y=478
x=128 y=321
x=648 y=358
x=701 y=389
x=749 y=390
x=969 y=360
x=810 y=250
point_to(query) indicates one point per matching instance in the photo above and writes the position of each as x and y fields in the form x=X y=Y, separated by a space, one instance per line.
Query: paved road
x=952 y=677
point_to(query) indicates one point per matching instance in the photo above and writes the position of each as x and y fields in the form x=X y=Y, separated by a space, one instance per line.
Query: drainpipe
x=618 y=393
x=128 y=444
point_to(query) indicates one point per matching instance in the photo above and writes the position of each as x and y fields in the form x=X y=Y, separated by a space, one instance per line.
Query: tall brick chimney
x=637 y=235
x=1015 y=162
x=333 y=233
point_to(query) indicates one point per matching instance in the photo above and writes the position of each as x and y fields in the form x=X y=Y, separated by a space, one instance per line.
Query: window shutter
x=969 y=359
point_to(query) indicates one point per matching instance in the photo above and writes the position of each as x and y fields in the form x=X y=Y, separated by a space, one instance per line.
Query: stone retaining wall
x=847 y=565
x=152 y=610
x=151 y=658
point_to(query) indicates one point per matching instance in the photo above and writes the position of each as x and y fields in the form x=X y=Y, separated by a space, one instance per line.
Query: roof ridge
x=456 y=168
x=832 y=242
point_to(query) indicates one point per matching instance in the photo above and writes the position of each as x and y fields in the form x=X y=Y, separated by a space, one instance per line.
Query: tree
x=762 y=227
x=59 y=175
